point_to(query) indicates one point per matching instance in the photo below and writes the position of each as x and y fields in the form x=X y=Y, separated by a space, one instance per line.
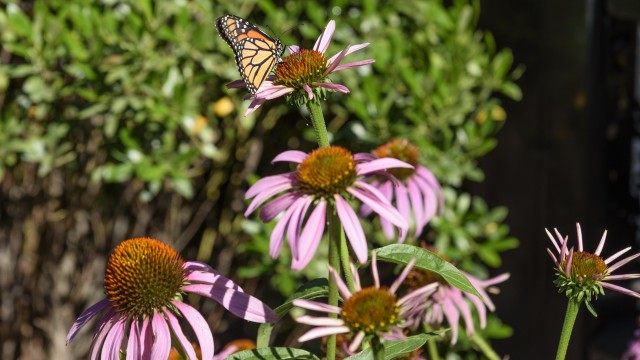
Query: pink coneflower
x=323 y=177
x=581 y=275
x=303 y=74
x=418 y=195
x=145 y=281
x=449 y=303
x=369 y=312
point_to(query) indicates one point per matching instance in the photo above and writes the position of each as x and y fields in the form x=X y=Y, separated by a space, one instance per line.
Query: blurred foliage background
x=115 y=123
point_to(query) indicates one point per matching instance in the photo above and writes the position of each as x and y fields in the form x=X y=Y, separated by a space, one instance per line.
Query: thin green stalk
x=334 y=262
x=377 y=348
x=432 y=344
x=317 y=119
x=484 y=347
x=344 y=259
x=569 y=320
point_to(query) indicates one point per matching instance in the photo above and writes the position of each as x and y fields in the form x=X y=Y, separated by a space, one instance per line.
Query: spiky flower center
x=400 y=149
x=326 y=171
x=586 y=267
x=143 y=275
x=371 y=310
x=299 y=68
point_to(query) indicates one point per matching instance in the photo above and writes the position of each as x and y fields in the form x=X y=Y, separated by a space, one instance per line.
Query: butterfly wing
x=256 y=53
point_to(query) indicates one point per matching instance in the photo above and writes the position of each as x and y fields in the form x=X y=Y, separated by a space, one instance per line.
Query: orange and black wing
x=256 y=53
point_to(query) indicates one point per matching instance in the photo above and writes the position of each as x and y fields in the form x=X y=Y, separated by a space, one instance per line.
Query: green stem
x=317 y=119
x=567 y=328
x=344 y=259
x=484 y=347
x=377 y=348
x=432 y=344
x=334 y=261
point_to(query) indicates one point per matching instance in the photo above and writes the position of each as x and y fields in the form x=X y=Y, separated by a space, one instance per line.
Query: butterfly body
x=256 y=53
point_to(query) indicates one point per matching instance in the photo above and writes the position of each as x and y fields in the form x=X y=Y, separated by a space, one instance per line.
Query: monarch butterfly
x=256 y=52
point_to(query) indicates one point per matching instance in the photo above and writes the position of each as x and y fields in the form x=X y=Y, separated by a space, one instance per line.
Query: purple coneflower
x=369 y=312
x=581 y=275
x=449 y=303
x=303 y=74
x=145 y=280
x=322 y=177
x=418 y=195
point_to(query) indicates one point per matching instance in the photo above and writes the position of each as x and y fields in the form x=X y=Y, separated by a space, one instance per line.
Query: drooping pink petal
x=456 y=296
x=352 y=228
x=182 y=339
x=267 y=183
x=162 y=342
x=146 y=338
x=294 y=156
x=197 y=272
x=238 y=303
x=480 y=308
x=427 y=175
x=352 y=49
x=402 y=203
x=319 y=321
x=199 y=326
x=331 y=86
x=113 y=342
x=316 y=306
x=322 y=44
x=342 y=287
x=274 y=207
x=453 y=316
x=380 y=165
x=266 y=195
x=416 y=205
x=306 y=88
x=357 y=341
x=277 y=235
x=86 y=316
x=104 y=326
x=311 y=236
x=353 y=64
x=294 y=228
x=254 y=105
x=134 y=346
x=385 y=210
x=374 y=269
x=323 y=331
x=277 y=91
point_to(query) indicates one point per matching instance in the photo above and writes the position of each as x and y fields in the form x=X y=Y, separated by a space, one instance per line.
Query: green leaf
x=315 y=288
x=426 y=260
x=274 y=353
x=511 y=90
x=394 y=349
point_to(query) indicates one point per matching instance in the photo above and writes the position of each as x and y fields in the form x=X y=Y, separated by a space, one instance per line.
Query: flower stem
x=432 y=343
x=317 y=119
x=569 y=320
x=334 y=261
x=344 y=258
x=484 y=347
x=377 y=348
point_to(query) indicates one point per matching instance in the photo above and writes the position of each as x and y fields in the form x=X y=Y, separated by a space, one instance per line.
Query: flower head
x=417 y=194
x=449 y=303
x=368 y=312
x=322 y=178
x=144 y=282
x=582 y=275
x=302 y=75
